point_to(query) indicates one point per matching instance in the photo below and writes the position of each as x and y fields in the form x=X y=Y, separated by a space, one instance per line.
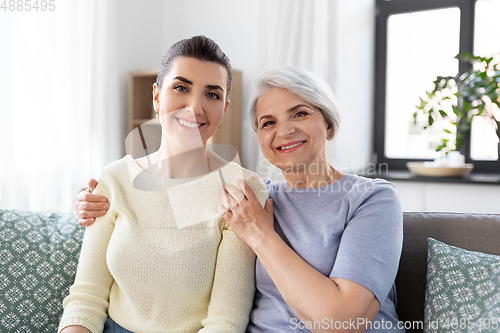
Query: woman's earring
x=330 y=137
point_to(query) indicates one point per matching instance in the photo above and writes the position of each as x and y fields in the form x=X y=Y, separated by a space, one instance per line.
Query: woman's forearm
x=311 y=295
x=301 y=286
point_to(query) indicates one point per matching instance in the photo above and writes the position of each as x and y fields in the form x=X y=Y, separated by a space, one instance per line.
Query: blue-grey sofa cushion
x=463 y=290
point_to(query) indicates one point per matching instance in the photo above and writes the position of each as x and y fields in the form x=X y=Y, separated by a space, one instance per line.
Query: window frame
x=386 y=8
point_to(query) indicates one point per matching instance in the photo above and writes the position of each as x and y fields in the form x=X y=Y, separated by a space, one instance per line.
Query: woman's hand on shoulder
x=89 y=206
x=245 y=215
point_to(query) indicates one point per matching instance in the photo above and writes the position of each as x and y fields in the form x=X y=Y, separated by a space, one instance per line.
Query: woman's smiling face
x=292 y=133
x=191 y=101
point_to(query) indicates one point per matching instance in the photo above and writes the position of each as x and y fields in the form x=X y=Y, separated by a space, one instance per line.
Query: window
x=417 y=40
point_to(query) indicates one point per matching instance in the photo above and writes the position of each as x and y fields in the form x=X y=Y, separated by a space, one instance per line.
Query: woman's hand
x=246 y=216
x=89 y=206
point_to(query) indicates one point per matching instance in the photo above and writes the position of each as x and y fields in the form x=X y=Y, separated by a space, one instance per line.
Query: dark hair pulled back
x=198 y=47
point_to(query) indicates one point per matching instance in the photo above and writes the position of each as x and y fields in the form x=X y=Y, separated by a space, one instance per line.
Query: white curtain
x=292 y=33
x=48 y=66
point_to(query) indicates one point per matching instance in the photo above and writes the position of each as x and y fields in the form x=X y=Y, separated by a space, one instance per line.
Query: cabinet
x=448 y=197
x=141 y=112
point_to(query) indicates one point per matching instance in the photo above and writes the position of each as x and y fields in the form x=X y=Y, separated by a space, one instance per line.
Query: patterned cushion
x=463 y=290
x=38 y=260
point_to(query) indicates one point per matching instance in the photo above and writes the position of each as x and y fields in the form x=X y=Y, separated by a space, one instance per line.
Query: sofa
x=39 y=255
x=474 y=232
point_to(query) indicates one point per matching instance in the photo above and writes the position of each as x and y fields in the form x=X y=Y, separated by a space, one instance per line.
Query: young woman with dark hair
x=162 y=259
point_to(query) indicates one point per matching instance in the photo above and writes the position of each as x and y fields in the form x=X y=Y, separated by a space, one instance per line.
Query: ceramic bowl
x=439 y=171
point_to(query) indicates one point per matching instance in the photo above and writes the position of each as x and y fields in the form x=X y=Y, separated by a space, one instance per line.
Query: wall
x=128 y=36
x=352 y=81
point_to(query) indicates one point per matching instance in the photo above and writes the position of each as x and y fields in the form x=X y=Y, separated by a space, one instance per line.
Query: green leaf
x=457 y=111
x=465 y=56
x=443 y=114
x=467 y=106
x=489 y=88
x=431 y=120
x=459 y=140
x=480 y=109
x=447 y=131
x=441 y=147
x=464 y=126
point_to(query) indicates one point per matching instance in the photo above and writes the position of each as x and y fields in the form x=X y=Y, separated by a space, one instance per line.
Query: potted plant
x=473 y=93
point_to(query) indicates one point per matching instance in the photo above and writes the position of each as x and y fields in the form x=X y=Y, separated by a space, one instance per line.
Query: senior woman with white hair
x=328 y=258
x=328 y=244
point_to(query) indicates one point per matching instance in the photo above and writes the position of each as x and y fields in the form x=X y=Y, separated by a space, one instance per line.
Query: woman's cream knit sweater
x=161 y=259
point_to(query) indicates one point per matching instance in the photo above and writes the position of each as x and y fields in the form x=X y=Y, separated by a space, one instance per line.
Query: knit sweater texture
x=162 y=259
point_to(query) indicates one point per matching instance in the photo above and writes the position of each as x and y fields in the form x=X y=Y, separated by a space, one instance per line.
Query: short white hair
x=305 y=85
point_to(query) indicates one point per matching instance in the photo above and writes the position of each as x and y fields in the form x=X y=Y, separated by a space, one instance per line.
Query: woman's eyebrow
x=183 y=79
x=264 y=117
x=293 y=108
x=214 y=86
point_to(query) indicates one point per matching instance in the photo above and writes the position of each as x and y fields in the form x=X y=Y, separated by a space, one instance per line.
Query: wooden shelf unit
x=140 y=97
